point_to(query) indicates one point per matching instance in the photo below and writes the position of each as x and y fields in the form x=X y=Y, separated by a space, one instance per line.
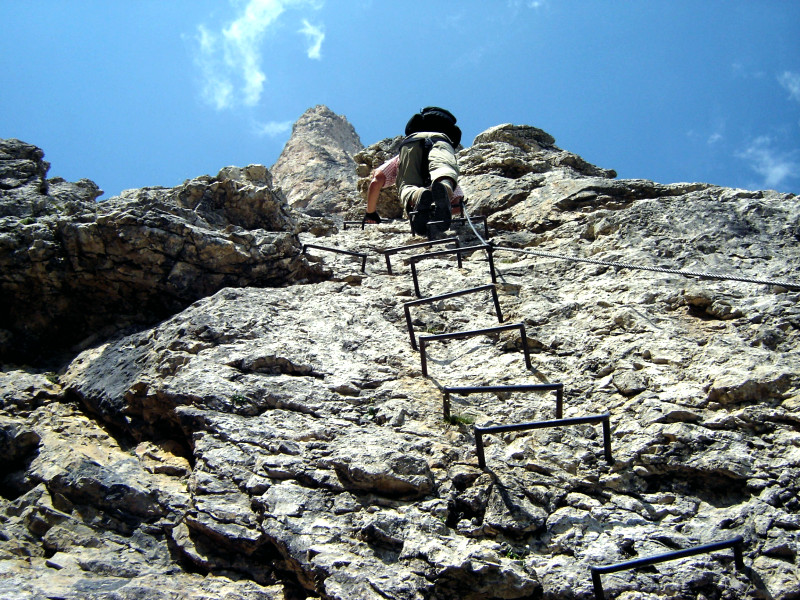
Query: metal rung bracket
x=425 y=339
x=458 y=252
x=361 y=255
x=356 y=223
x=489 y=389
x=362 y=223
x=462 y=220
x=458 y=221
x=604 y=419
x=407 y=306
x=387 y=253
x=736 y=543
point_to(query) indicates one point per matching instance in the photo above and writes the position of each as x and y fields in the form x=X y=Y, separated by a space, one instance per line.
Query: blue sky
x=135 y=93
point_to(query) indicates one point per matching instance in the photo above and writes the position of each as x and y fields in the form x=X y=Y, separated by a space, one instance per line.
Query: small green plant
x=27 y=221
x=51 y=377
x=238 y=398
x=460 y=419
x=514 y=555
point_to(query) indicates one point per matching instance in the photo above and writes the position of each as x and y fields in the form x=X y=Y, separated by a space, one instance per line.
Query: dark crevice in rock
x=275 y=365
x=716 y=489
x=215 y=555
x=283 y=403
x=15 y=464
x=299 y=581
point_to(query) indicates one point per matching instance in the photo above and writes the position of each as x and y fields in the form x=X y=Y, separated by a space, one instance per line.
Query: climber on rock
x=426 y=171
x=386 y=176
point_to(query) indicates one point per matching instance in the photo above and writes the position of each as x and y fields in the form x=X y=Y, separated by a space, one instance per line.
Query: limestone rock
x=25 y=191
x=135 y=258
x=282 y=442
x=316 y=169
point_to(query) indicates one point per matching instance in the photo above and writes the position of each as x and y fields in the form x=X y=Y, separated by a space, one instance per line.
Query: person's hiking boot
x=419 y=221
x=441 y=193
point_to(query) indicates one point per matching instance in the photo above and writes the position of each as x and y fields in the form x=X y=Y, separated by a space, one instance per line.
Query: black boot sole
x=419 y=222
x=441 y=202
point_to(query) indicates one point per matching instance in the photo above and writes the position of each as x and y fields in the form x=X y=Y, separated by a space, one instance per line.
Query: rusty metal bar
x=391 y=251
x=604 y=418
x=359 y=223
x=361 y=255
x=437 y=224
x=440 y=228
x=423 y=341
x=427 y=225
x=457 y=251
x=407 y=306
x=489 y=389
x=736 y=543
x=458 y=221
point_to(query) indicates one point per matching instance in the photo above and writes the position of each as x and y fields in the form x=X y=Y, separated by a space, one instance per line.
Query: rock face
x=69 y=266
x=283 y=442
x=316 y=169
x=24 y=190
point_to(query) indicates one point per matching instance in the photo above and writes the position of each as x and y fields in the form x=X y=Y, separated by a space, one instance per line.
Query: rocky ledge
x=72 y=268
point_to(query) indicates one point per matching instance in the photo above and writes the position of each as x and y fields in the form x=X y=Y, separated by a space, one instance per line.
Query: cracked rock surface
x=71 y=267
x=282 y=442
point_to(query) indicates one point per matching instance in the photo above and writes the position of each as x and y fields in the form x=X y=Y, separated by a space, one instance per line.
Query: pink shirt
x=389 y=170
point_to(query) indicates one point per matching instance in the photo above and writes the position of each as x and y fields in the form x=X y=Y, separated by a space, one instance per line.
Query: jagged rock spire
x=316 y=168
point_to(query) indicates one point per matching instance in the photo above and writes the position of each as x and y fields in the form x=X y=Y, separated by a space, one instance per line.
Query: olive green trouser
x=442 y=162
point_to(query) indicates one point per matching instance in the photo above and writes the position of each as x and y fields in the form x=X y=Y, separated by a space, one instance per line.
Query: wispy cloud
x=217 y=89
x=747 y=70
x=712 y=137
x=230 y=60
x=528 y=3
x=315 y=37
x=273 y=128
x=774 y=166
x=791 y=82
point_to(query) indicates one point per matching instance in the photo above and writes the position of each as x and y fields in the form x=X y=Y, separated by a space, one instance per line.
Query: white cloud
x=273 y=128
x=315 y=37
x=791 y=81
x=217 y=89
x=774 y=166
x=230 y=61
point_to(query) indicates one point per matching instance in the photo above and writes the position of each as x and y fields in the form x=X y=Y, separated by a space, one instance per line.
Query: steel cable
x=620 y=265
